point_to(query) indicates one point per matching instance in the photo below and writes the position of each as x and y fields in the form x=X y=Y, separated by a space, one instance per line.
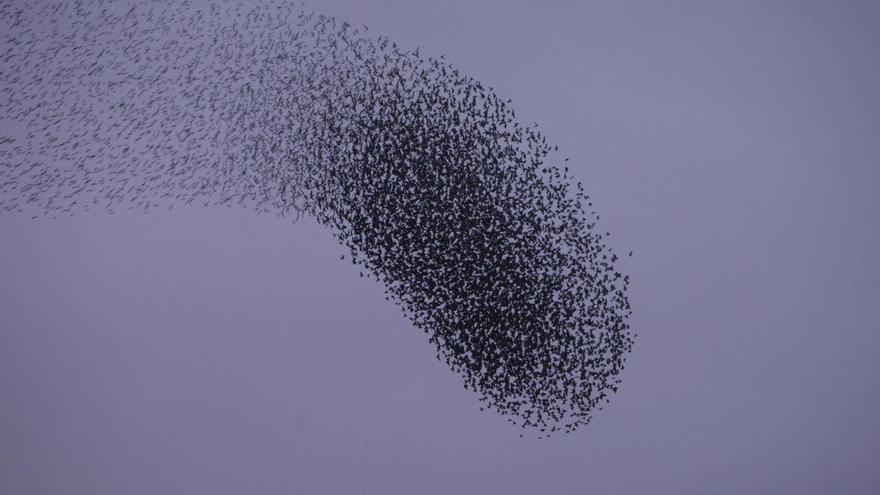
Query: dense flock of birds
x=420 y=171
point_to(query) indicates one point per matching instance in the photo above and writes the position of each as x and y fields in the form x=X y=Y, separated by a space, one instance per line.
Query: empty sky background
x=734 y=146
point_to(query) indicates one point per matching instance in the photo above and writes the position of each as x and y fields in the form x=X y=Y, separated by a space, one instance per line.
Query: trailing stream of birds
x=474 y=228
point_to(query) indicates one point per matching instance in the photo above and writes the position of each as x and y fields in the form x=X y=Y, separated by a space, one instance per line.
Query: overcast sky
x=734 y=146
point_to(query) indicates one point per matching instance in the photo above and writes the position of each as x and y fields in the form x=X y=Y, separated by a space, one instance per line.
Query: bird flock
x=476 y=231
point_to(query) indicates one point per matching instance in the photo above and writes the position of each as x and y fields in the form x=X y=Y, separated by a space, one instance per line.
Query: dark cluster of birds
x=422 y=172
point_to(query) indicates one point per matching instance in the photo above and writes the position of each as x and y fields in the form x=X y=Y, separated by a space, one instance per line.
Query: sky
x=733 y=146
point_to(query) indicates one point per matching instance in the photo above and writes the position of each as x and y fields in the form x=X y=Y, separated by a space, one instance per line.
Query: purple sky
x=735 y=146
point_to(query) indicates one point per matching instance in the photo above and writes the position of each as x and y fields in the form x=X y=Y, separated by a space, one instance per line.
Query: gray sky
x=734 y=146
